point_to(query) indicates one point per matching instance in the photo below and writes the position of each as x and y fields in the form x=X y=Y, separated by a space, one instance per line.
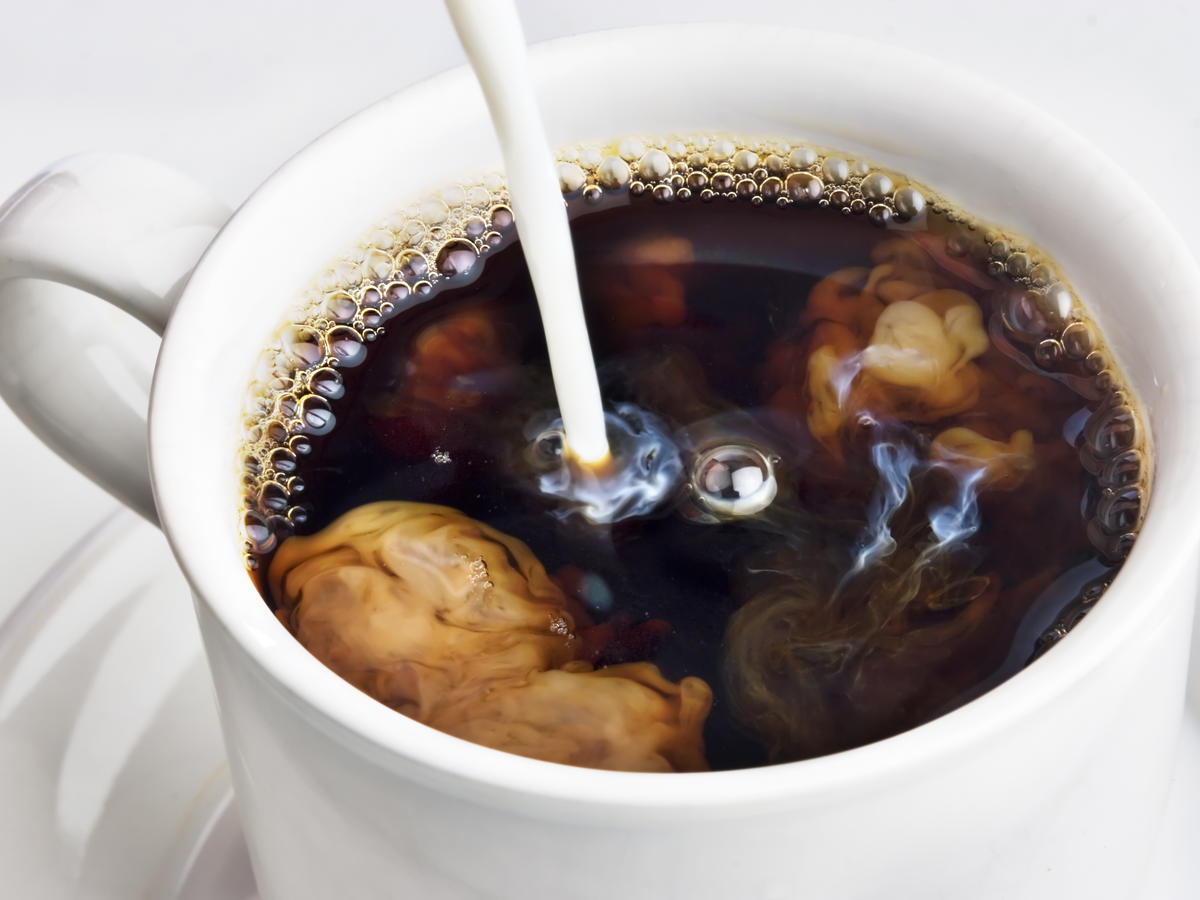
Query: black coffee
x=893 y=464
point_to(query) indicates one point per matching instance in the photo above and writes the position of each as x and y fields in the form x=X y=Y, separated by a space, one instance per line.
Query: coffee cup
x=1049 y=785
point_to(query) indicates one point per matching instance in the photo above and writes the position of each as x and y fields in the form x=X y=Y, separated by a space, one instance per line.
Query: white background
x=227 y=89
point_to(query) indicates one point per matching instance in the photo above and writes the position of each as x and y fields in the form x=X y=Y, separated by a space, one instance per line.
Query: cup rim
x=376 y=730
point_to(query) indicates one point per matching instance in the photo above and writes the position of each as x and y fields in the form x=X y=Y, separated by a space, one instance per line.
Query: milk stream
x=490 y=31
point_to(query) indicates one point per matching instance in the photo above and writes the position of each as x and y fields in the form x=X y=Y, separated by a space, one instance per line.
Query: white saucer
x=112 y=771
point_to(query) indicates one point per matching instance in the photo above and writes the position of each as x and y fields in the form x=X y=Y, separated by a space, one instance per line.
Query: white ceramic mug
x=1049 y=786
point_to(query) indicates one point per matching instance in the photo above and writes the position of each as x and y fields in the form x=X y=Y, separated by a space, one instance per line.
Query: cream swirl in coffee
x=877 y=458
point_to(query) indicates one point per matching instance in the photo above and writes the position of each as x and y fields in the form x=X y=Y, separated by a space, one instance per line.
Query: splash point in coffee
x=871 y=458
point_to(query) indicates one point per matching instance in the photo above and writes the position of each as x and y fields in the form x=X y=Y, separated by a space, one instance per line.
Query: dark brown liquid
x=697 y=315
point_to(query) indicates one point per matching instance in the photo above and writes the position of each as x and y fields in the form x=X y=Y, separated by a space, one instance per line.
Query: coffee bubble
x=734 y=480
x=721 y=150
x=283 y=460
x=654 y=164
x=835 y=170
x=804 y=187
x=1123 y=470
x=802 y=157
x=412 y=264
x=1077 y=340
x=722 y=182
x=345 y=346
x=876 y=186
x=316 y=415
x=303 y=346
x=570 y=177
x=613 y=172
x=378 y=264
x=258 y=534
x=630 y=149
x=456 y=258
x=744 y=160
x=909 y=203
x=340 y=307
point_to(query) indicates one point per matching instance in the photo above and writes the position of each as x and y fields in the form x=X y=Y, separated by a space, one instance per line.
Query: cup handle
x=129 y=231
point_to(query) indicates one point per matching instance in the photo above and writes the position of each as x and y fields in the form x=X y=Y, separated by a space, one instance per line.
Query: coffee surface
x=955 y=467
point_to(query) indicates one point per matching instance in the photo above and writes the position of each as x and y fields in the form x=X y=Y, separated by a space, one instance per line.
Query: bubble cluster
x=1046 y=322
x=298 y=379
x=713 y=167
x=407 y=257
x=1073 y=614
